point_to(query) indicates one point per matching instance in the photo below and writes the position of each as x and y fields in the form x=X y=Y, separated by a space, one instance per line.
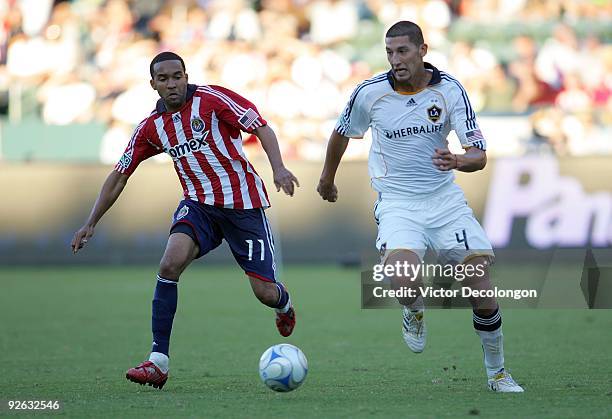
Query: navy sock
x=283 y=296
x=164 y=307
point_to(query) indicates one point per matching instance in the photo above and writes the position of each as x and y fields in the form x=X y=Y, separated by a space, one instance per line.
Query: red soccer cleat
x=147 y=373
x=285 y=322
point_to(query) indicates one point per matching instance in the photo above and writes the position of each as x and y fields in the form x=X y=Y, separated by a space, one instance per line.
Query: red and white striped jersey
x=204 y=140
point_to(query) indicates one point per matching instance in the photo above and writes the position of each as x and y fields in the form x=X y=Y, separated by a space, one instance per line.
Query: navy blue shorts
x=247 y=232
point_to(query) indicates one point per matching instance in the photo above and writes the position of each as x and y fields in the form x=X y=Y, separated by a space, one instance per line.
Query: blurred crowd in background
x=80 y=61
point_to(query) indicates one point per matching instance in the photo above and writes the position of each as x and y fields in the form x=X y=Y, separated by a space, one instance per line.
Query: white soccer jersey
x=406 y=130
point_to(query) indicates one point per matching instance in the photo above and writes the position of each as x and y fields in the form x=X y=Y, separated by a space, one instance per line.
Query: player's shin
x=406 y=279
x=164 y=307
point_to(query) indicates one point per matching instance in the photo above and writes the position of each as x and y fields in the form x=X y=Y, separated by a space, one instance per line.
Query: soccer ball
x=283 y=367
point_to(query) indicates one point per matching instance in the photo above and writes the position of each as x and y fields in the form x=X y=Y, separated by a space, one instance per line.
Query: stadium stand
x=544 y=64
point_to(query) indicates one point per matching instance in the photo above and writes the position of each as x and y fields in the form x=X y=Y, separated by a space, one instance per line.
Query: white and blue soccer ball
x=283 y=367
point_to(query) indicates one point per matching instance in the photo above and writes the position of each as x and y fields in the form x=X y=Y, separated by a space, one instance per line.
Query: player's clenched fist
x=81 y=237
x=328 y=191
x=444 y=160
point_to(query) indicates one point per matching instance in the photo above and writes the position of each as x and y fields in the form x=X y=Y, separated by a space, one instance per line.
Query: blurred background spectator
x=86 y=61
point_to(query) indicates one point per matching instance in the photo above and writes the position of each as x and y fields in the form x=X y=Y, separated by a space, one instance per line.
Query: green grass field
x=69 y=334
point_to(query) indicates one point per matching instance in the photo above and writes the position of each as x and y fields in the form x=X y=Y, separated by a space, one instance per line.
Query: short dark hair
x=406 y=28
x=165 y=56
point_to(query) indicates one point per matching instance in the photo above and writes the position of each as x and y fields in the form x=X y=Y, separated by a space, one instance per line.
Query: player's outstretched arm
x=335 y=150
x=472 y=160
x=112 y=188
x=283 y=178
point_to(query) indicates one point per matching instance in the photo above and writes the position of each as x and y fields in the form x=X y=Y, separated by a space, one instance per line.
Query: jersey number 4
x=462 y=238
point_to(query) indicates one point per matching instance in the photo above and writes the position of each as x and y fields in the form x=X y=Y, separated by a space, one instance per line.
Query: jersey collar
x=160 y=107
x=435 y=78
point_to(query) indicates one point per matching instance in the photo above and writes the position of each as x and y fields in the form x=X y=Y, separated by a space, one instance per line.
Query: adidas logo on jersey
x=411 y=102
x=187 y=147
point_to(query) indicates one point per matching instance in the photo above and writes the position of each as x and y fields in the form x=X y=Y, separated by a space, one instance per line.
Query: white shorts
x=442 y=222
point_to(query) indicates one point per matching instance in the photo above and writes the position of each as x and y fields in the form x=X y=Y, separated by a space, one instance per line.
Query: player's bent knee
x=172 y=266
x=404 y=261
x=476 y=270
x=400 y=255
x=404 y=276
x=477 y=259
x=169 y=270
x=180 y=251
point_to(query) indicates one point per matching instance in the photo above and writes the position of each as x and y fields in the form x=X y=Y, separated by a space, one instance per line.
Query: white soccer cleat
x=503 y=382
x=414 y=330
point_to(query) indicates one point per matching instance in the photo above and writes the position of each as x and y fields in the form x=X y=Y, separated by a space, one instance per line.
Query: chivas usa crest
x=197 y=125
x=182 y=212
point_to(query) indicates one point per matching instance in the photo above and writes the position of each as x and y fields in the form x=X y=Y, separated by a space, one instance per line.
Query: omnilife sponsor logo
x=408 y=131
x=189 y=146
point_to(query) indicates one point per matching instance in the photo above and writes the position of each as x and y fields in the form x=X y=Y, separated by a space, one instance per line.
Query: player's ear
x=152 y=83
x=423 y=50
x=186 y=77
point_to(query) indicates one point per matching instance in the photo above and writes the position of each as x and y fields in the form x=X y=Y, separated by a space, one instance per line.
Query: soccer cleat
x=414 y=330
x=503 y=382
x=285 y=322
x=147 y=373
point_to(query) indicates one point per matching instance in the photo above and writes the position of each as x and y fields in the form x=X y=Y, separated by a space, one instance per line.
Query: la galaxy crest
x=197 y=125
x=434 y=113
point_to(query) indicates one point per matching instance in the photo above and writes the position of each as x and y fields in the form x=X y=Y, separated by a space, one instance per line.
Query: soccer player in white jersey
x=224 y=197
x=410 y=110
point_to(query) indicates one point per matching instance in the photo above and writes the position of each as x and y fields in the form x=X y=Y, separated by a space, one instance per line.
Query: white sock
x=286 y=308
x=493 y=348
x=160 y=360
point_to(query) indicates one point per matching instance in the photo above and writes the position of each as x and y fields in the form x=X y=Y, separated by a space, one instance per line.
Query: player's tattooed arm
x=472 y=160
x=283 y=178
x=112 y=188
x=335 y=150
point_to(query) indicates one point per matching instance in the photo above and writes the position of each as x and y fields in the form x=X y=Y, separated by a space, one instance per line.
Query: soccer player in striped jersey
x=410 y=110
x=224 y=197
